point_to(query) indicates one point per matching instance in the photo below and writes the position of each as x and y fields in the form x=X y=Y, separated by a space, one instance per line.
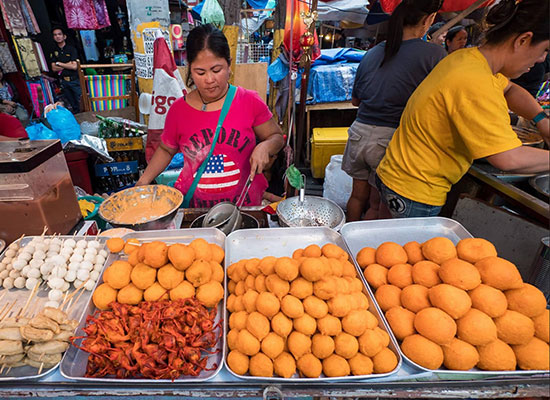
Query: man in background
x=64 y=64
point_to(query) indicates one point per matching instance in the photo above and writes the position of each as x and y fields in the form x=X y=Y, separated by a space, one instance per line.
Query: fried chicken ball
x=514 y=327
x=156 y=254
x=130 y=295
x=360 y=364
x=336 y=267
x=103 y=296
x=240 y=288
x=272 y=345
x=202 y=249
x=281 y=325
x=298 y=344
x=339 y=305
x=117 y=275
x=542 y=325
x=218 y=254
x=384 y=335
x=238 y=362
x=335 y=365
x=284 y=365
x=325 y=288
x=355 y=284
x=376 y=275
x=249 y=300
x=305 y=324
x=141 y=252
x=169 y=277
x=291 y=306
x=155 y=292
x=315 y=307
x=400 y=275
x=414 y=252
x=237 y=320
x=313 y=269
x=133 y=258
x=312 y=251
x=423 y=351
x=252 y=266
x=232 y=338
x=258 y=325
x=415 y=298
x=370 y=343
x=199 y=273
x=366 y=256
x=331 y=250
x=459 y=273
x=115 y=244
x=301 y=288
x=322 y=346
x=476 y=328
x=533 y=355
x=210 y=293
x=236 y=271
x=181 y=256
x=489 y=300
x=309 y=366
x=247 y=343
x=298 y=253
x=401 y=321
x=388 y=296
x=259 y=283
x=143 y=276
x=360 y=301
x=475 y=249
x=425 y=273
x=268 y=304
x=435 y=325
x=438 y=249
x=267 y=265
x=389 y=253
x=527 y=300
x=348 y=269
x=358 y=321
x=496 y=356
x=459 y=355
x=279 y=287
x=131 y=245
x=499 y=273
x=346 y=345
x=218 y=274
x=384 y=361
x=260 y=365
x=329 y=325
x=452 y=300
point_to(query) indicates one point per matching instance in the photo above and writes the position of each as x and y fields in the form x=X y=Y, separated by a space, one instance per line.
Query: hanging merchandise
x=30 y=20
x=41 y=95
x=212 y=13
x=86 y=14
x=6 y=60
x=27 y=57
x=41 y=57
x=89 y=44
x=176 y=33
x=13 y=17
x=295 y=21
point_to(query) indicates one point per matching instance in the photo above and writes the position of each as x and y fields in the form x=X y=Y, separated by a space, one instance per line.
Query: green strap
x=225 y=109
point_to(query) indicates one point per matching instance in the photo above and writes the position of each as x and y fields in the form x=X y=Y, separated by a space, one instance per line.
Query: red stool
x=77 y=161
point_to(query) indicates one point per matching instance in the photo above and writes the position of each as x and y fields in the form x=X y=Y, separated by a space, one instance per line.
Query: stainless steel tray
x=41 y=297
x=373 y=233
x=73 y=365
x=281 y=242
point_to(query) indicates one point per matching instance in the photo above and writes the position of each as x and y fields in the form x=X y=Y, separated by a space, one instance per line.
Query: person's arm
x=523 y=104
x=69 y=65
x=271 y=142
x=355 y=101
x=161 y=159
x=523 y=160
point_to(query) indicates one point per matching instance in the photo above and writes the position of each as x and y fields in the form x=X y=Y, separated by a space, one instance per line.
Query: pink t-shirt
x=191 y=132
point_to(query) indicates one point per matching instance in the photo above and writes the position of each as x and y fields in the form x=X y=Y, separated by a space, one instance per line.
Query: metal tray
x=283 y=242
x=41 y=297
x=373 y=233
x=73 y=365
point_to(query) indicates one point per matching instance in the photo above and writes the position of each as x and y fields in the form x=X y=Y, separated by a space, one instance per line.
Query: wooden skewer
x=4 y=292
x=75 y=302
x=44 y=231
x=8 y=371
x=2 y=316
x=2 y=369
x=34 y=290
x=74 y=293
x=40 y=369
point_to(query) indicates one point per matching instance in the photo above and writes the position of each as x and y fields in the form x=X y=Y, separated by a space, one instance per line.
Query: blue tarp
x=330 y=83
x=339 y=55
x=255 y=4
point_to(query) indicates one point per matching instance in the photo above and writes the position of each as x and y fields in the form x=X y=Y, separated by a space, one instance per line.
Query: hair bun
x=501 y=13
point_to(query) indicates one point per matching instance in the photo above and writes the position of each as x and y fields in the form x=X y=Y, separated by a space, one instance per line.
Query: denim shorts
x=401 y=207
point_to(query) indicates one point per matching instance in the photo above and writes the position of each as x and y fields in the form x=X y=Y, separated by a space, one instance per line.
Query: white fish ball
x=76 y=258
x=89 y=286
x=91 y=250
x=69 y=243
x=4 y=274
x=50 y=255
x=14 y=246
x=87 y=265
x=36 y=263
x=8 y=283
x=82 y=274
x=95 y=244
x=34 y=273
x=66 y=250
x=19 y=283
x=103 y=253
x=73 y=266
x=66 y=286
x=10 y=253
x=57 y=242
x=98 y=267
x=47 y=241
x=99 y=259
x=54 y=247
x=59 y=271
x=19 y=264
x=94 y=275
x=82 y=244
x=3 y=267
x=39 y=255
x=52 y=304
x=70 y=276
x=80 y=251
x=40 y=246
x=56 y=283
x=46 y=268
x=24 y=256
x=28 y=249
x=14 y=274
x=77 y=283
x=25 y=271
x=31 y=283
x=59 y=260
x=55 y=295
x=8 y=260
x=89 y=257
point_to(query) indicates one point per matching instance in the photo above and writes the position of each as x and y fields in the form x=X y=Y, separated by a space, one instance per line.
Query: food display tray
x=41 y=297
x=373 y=233
x=73 y=365
x=282 y=242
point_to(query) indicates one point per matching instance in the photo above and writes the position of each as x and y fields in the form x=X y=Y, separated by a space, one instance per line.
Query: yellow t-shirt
x=456 y=115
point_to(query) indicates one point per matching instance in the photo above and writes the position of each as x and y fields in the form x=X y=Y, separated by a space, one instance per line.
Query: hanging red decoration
x=448 y=5
x=301 y=38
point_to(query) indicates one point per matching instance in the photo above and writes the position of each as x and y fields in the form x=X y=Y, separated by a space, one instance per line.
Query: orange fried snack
x=476 y=328
x=169 y=277
x=400 y=275
x=272 y=345
x=143 y=276
x=496 y=356
x=423 y=351
x=181 y=256
x=322 y=346
x=426 y=273
x=202 y=249
x=435 y=325
x=415 y=298
x=489 y=300
x=284 y=365
x=130 y=294
x=156 y=254
x=117 y=275
x=514 y=328
x=459 y=273
x=438 y=249
x=309 y=366
x=366 y=256
x=388 y=296
x=533 y=355
x=459 y=355
x=335 y=365
x=527 y=300
x=542 y=325
x=452 y=300
x=238 y=362
x=115 y=244
x=210 y=293
x=103 y=296
x=376 y=275
x=414 y=252
x=401 y=321
x=260 y=365
x=389 y=253
x=499 y=273
x=384 y=361
x=155 y=292
x=360 y=365
x=475 y=249
x=184 y=290
x=199 y=273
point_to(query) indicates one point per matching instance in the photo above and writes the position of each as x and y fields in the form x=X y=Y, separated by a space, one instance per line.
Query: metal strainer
x=310 y=211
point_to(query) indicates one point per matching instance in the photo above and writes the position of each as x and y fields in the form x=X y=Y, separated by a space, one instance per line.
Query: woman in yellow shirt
x=460 y=113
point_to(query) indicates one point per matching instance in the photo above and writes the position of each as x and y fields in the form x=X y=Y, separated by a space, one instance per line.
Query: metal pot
x=225 y=216
x=310 y=211
x=248 y=222
x=541 y=183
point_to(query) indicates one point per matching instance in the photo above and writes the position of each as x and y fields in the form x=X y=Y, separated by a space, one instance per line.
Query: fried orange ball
x=309 y=366
x=376 y=275
x=143 y=276
x=279 y=287
x=389 y=253
x=260 y=365
x=315 y=307
x=425 y=273
x=115 y=244
x=322 y=346
x=542 y=326
x=514 y=327
x=131 y=245
x=475 y=249
x=339 y=305
x=383 y=335
x=496 y=356
x=527 y=300
x=489 y=300
x=249 y=282
x=141 y=252
x=348 y=269
x=199 y=273
x=133 y=258
x=384 y=361
x=272 y=345
x=301 y=288
x=210 y=293
x=400 y=275
x=218 y=254
x=438 y=249
x=358 y=321
x=423 y=351
x=370 y=343
x=218 y=274
x=281 y=325
x=335 y=365
x=313 y=269
x=533 y=355
x=415 y=298
x=252 y=266
x=238 y=362
x=336 y=267
x=366 y=256
x=117 y=275
x=325 y=288
x=452 y=300
x=388 y=296
x=312 y=251
x=249 y=300
x=231 y=287
x=401 y=321
x=329 y=325
x=331 y=250
x=268 y=304
x=476 y=328
x=240 y=288
x=237 y=320
x=459 y=355
x=103 y=296
x=414 y=252
x=247 y=343
x=232 y=338
x=460 y=273
x=360 y=300
x=169 y=277
x=435 y=325
x=237 y=272
x=155 y=292
x=202 y=249
x=284 y=365
x=355 y=284
x=346 y=345
x=130 y=295
x=258 y=325
x=297 y=254
x=183 y=291
x=259 y=283
x=360 y=364
x=181 y=256
x=156 y=254
x=298 y=344
x=499 y=273
x=305 y=324
x=291 y=306
x=267 y=265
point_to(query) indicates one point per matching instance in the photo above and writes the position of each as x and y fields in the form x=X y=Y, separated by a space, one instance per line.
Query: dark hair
x=55 y=28
x=206 y=37
x=512 y=17
x=434 y=28
x=407 y=13
x=451 y=33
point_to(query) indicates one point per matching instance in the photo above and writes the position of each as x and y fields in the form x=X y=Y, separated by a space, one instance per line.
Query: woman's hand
x=265 y=152
x=10 y=103
x=260 y=159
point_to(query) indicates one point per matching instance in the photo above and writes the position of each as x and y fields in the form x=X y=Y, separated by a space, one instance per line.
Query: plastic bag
x=176 y=163
x=64 y=124
x=277 y=70
x=212 y=13
x=90 y=128
x=39 y=131
x=337 y=186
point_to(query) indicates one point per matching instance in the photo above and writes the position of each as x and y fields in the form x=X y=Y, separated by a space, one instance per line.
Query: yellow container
x=325 y=143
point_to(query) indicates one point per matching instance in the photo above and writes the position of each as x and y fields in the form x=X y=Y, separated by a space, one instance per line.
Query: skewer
x=2 y=369
x=34 y=290
x=74 y=293
x=44 y=231
x=8 y=371
x=40 y=369
x=69 y=309
x=2 y=315
x=4 y=292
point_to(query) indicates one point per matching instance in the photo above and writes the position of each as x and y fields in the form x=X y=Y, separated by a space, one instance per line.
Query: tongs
x=242 y=197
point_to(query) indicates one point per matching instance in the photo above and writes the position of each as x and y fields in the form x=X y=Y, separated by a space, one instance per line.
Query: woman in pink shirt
x=248 y=140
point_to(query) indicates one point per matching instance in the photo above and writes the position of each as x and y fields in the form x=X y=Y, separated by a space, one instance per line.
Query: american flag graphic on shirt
x=221 y=174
